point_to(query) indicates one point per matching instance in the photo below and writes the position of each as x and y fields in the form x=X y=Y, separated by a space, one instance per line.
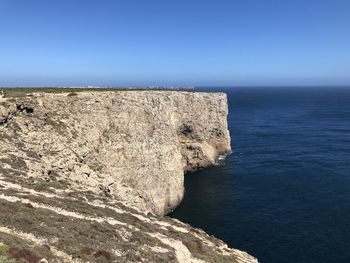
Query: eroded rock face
x=125 y=144
x=130 y=148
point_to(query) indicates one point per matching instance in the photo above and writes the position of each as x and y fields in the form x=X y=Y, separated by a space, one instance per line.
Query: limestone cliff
x=115 y=159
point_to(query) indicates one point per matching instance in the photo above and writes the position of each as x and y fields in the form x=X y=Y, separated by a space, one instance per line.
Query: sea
x=283 y=195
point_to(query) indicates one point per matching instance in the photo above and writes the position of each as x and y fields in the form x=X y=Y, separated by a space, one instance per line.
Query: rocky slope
x=88 y=176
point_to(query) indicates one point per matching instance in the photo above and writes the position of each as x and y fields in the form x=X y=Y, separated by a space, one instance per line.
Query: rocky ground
x=88 y=176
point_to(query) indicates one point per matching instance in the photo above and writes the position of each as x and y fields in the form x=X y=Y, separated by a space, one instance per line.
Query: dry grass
x=23 y=253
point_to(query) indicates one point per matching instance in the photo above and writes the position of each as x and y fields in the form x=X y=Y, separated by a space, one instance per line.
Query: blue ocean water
x=283 y=195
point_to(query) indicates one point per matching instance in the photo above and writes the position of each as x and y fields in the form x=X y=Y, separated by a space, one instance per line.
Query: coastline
x=131 y=148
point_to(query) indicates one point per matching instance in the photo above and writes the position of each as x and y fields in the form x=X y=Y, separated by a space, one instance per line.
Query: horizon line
x=182 y=86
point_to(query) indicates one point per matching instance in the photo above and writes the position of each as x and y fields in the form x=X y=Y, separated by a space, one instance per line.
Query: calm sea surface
x=284 y=193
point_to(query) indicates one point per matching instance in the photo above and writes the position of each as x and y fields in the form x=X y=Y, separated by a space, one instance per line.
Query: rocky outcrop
x=109 y=162
x=125 y=144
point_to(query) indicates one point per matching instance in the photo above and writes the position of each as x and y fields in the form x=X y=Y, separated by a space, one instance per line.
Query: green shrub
x=4 y=254
x=3 y=251
x=6 y=260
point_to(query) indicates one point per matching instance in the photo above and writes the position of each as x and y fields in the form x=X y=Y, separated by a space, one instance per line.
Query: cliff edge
x=104 y=167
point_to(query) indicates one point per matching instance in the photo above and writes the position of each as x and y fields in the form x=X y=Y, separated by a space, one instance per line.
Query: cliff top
x=23 y=92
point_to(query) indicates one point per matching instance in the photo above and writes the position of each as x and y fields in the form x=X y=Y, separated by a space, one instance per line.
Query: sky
x=174 y=43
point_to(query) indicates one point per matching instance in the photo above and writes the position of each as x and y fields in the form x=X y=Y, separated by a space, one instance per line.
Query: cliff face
x=127 y=151
x=127 y=144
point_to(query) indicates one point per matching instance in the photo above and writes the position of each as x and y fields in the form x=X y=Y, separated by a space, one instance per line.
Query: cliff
x=89 y=175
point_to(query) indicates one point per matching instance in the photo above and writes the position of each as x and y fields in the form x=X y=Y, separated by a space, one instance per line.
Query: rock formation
x=89 y=175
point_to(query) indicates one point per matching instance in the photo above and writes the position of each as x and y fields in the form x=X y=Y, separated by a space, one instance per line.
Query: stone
x=131 y=147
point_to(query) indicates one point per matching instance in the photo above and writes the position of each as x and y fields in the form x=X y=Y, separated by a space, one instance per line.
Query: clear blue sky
x=174 y=42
